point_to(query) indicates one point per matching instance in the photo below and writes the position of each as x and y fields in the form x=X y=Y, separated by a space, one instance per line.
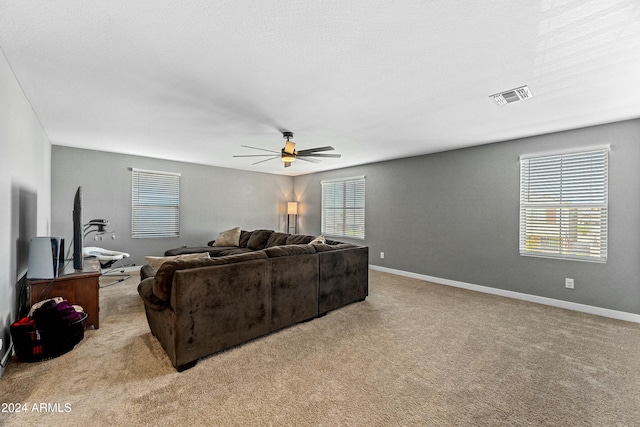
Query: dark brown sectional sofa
x=270 y=281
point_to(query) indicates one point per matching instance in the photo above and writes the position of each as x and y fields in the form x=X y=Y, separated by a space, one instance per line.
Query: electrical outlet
x=381 y=255
x=568 y=283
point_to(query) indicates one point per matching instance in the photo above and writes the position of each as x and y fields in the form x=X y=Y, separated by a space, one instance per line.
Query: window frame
x=155 y=214
x=347 y=219
x=564 y=204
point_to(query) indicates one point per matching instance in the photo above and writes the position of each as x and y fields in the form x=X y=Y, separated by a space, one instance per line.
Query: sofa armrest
x=147 y=271
x=145 y=290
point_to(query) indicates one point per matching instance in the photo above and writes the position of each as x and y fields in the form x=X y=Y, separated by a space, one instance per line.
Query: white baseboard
x=598 y=311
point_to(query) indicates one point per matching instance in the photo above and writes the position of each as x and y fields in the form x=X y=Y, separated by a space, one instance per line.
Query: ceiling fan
x=288 y=153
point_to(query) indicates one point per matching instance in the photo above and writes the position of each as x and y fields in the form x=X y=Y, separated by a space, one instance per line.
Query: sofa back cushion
x=164 y=276
x=244 y=238
x=288 y=250
x=323 y=247
x=299 y=239
x=277 y=239
x=258 y=239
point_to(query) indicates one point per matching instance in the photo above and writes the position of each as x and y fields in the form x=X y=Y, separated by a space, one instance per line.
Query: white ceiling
x=193 y=81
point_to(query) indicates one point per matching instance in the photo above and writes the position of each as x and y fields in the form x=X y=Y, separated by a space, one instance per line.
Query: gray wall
x=454 y=215
x=212 y=199
x=25 y=192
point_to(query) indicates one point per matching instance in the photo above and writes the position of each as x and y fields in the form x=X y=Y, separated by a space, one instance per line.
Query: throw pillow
x=156 y=261
x=244 y=238
x=318 y=240
x=228 y=238
x=258 y=239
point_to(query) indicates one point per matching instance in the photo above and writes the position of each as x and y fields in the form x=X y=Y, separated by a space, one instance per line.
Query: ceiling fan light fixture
x=288 y=154
x=290 y=147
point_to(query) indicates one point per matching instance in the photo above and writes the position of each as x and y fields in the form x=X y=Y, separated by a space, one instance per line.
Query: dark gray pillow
x=258 y=239
x=244 y=238
x=277 y=239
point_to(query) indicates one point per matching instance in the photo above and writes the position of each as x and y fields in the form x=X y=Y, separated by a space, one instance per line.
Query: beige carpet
x=414 y=353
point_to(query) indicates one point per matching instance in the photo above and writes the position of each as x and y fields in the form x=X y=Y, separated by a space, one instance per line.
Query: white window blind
x=155 y=204
x=343 y=207
x=564 y=204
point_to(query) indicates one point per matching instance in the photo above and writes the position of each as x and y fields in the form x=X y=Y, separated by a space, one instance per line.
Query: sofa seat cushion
x=164 y=276
x=258 y=239
x=213 y=251
x=289 y=250
x=218 y=251
x=233 y=251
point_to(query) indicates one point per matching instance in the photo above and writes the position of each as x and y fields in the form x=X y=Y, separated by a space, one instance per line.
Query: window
x=343 y=208
x=155 y=204
x=563 y=205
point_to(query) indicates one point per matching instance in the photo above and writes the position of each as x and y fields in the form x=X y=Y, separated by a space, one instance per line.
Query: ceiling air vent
x=512 y=95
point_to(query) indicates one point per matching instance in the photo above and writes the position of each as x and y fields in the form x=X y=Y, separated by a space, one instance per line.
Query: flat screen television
x=78 y=238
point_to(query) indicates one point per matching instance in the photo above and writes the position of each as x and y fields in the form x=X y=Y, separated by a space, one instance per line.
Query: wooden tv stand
x=81 y=288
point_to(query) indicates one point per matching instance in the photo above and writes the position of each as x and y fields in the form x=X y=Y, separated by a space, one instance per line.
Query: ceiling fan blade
x=335 y=156
x=255 y=155
x=315 y=150
x=307 y=160
x=265 y=160
x=261 y=149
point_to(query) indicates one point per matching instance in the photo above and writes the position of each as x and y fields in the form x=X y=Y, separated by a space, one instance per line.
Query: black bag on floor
x=53 y=328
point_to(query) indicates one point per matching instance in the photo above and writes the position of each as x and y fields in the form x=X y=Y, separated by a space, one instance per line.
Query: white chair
x=107 y=258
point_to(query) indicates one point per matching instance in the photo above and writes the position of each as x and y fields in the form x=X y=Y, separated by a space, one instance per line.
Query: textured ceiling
x=193 y=81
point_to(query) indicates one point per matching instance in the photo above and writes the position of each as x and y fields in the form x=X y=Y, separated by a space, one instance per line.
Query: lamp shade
x=292 y=208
